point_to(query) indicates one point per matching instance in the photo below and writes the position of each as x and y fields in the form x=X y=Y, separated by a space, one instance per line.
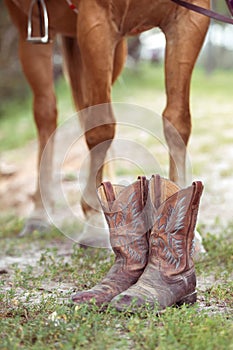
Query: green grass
x=36 y=313
x=215 y=84
x=16 y=125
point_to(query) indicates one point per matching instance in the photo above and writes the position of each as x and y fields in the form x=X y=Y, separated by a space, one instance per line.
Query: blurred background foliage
x=12 y=81
x=216 y=53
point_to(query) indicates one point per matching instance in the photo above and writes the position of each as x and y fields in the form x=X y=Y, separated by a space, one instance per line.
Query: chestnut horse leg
x=37 y=66
x=75 y=69
x=101 y=49
x=184 y=38
x=93 y=67
x=103 y=55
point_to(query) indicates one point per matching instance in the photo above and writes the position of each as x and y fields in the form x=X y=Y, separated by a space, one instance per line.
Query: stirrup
x=44 y=23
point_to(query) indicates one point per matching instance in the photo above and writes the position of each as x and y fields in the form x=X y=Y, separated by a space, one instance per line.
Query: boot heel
x=188 y=299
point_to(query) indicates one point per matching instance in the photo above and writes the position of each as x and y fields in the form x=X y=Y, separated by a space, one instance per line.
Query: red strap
x=72 y=6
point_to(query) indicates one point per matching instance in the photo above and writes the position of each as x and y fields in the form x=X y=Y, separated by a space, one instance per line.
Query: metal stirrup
x=44 y=23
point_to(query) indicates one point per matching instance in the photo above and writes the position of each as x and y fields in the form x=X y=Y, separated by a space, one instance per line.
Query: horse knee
x=45 y=113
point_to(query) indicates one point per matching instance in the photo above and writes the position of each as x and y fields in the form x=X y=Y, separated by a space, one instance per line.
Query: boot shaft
x=126 y=214
x=172 y=235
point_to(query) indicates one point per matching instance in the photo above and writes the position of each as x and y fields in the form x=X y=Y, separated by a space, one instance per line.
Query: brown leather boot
x=124 y=209
x=169 y=277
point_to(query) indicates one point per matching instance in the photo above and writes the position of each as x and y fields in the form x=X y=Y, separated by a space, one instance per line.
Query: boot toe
x=96 y=297
x=82 y=297
x=128 y=303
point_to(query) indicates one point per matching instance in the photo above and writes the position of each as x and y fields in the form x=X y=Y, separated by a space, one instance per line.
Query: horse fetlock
x=35 y=224
x=102 y=134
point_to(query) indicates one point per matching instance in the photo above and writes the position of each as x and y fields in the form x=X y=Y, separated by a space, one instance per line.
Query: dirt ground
x=18 y=179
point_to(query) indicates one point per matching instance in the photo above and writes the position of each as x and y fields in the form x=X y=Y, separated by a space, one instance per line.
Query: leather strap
x=144 y=188
x=156 y=190
x=198 y=188
x=204 y=11
x=109 y=192
x=157 y=181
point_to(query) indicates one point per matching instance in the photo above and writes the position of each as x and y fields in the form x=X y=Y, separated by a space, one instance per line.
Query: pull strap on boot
x=169 y=277
x=125 y=211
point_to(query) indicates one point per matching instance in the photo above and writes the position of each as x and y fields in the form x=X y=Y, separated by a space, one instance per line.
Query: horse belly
x=135 y=16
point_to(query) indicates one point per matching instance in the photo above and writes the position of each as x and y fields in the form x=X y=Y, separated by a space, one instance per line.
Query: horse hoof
x=199 y=250
x=95 y=233
x=34 y=224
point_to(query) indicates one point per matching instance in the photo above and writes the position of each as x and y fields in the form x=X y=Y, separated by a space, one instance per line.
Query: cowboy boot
x=124 y=209
x=169 y=277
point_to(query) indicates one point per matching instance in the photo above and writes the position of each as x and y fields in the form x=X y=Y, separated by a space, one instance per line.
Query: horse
x=94 y=34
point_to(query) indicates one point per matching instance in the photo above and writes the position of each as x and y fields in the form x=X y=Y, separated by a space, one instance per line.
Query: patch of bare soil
x=217 y=201
x=17 y=180
x=32 y=257
x=18 y=173
x=18 y=183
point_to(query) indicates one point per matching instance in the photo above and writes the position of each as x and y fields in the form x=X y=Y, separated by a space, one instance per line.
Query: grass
x=36 y=312
x=18 y=117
